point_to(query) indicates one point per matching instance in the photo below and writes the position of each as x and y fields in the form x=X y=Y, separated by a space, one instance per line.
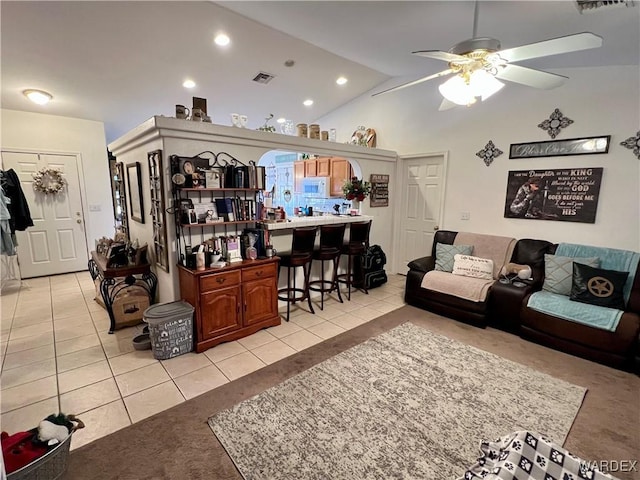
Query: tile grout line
x=113 y=376
x=55 y=356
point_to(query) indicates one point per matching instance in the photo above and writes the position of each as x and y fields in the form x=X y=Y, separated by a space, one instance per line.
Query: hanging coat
x=18 y=208
x=7 y=246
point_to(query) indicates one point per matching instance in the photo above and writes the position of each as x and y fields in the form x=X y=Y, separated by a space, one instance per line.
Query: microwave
x=316 y=187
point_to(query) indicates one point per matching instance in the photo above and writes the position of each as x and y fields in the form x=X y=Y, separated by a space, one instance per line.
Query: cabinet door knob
x=220 y=280
x=259 y=273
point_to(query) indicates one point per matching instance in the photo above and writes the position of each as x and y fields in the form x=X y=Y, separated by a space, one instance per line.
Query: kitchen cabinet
x=298 y=175
x=310 y=168
x=340 y=171
x=231 y=302
x=323 y=167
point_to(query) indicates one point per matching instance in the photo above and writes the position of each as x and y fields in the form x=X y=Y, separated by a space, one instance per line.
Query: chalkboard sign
x=379 y=190
x=567 y=195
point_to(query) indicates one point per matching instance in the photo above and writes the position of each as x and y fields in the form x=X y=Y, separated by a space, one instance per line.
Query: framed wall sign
x=379 y=190
x=567 y=195
x=558 y=148
x=134 y=184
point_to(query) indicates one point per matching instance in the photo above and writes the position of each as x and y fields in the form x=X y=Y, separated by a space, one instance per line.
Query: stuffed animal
x=55 y=427
x=522 y=271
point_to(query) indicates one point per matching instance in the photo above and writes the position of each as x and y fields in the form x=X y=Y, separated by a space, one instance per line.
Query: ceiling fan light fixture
x=457 y=90
x=483 y=84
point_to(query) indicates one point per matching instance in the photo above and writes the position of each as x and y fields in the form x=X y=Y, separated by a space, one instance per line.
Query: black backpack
x=371 y=267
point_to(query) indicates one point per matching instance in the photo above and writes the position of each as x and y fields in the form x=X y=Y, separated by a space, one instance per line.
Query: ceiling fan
x=478 y=65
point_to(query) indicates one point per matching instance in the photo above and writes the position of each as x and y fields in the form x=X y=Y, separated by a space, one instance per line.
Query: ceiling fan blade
x=415 y=82
x=554 y=46
x=530 y=77
x=444 y=56
x=447 y=105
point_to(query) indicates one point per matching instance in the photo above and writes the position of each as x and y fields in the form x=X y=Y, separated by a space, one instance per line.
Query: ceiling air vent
x=587 y=5
x=263 y=77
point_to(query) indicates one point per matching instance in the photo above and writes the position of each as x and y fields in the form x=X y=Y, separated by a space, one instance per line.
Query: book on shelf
x=224 y=207
x=253 y=177
x=261 y=177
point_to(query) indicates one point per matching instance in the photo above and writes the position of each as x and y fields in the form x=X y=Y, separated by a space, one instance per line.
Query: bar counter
x=316 y=220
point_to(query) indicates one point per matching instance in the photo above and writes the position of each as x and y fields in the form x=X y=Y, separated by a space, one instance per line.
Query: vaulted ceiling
x=123 y=62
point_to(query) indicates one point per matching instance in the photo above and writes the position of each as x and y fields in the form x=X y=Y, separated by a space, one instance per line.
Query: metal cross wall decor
x=489 y=153
x=555 y=123
x=633 y=143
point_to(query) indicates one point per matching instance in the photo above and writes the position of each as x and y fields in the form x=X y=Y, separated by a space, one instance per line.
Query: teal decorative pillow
x=445 y=253
x=558 y=272
x=597 y=286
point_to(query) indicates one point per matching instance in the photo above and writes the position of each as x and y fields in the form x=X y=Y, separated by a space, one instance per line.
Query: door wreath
x=48 y=180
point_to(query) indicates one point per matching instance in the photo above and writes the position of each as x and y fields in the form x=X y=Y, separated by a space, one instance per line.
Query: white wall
x=601 y=101
x=52 y=134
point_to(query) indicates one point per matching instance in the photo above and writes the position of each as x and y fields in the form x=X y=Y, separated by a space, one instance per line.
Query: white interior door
x=422 y=186
x=57 y=241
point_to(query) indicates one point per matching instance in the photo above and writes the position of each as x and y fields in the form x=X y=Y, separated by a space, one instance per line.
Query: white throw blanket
x=469 y=288
x=498 y=249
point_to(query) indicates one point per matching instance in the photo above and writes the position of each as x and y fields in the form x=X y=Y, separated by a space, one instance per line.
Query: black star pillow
x=597 y=286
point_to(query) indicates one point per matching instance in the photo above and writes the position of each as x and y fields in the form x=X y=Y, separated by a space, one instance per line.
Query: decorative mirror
x=134 y=186
x=158 y=217
x=118 y=196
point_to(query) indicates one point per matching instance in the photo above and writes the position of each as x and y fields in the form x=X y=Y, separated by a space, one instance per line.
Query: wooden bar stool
x=301 y=255
x=331 y=239
x=355 y=247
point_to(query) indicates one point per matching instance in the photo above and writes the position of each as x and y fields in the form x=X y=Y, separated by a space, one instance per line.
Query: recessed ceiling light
x=188 y=84
x=308 y=102
x=222 y=40
x=38 y=96
x=281 y=120
x=341 y=80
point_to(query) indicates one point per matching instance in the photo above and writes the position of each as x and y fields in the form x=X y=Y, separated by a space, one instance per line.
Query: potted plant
x=356 y=190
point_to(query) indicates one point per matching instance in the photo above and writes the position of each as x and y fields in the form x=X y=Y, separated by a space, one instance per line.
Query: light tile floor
x=56 y=355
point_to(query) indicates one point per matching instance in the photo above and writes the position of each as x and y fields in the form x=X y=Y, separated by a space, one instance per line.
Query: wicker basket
x=50 y=466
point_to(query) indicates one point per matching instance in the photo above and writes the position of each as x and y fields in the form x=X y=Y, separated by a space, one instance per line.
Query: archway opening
x=296 y=181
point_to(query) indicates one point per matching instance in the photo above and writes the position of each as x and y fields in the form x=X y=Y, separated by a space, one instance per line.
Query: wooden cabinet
x=323 y=167
x=260 y=303
x=231 y=302
x=310 y=168
x=220 y=304
x=340 y=171
x=316 y=167
x=298 y=175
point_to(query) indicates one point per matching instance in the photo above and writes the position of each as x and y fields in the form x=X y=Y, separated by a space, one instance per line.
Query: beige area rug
x=407 y=404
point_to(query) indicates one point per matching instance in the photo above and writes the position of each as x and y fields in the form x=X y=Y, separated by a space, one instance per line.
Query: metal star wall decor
x=633 y=143
x=489 y=153
x=555 y=123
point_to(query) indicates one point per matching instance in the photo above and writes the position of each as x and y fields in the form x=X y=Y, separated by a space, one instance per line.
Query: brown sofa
x=474 y=312
x=619 y=348
x=506 y=307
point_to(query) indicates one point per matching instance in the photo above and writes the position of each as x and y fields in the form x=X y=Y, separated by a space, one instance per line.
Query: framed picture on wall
x=134 y=184
x=566 y=195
